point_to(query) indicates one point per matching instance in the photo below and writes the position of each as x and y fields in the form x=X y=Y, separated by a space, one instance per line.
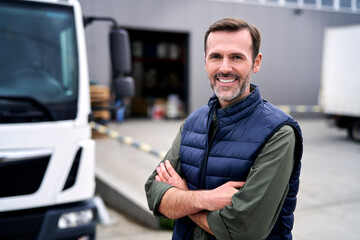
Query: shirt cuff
x=217 y=225
x=160 y=191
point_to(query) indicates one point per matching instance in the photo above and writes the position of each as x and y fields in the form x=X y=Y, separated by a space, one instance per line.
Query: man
x=233 y=169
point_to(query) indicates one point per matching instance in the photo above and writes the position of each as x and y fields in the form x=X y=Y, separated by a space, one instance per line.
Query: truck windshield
x=39 y=61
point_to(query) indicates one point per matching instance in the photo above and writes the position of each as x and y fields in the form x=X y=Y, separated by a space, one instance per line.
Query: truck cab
x=47 y=177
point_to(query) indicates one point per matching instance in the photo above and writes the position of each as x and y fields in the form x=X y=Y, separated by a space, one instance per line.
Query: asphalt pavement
x=328 y=201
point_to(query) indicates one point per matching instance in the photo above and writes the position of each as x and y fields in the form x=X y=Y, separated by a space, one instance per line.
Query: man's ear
x=205 y=61
x=257 y=63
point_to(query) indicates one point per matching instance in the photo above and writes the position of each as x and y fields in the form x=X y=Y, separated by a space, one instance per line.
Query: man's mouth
x=226 y=78
x=222 y=80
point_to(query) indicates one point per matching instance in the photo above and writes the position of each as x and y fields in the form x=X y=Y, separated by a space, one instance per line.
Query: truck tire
x=355 y=131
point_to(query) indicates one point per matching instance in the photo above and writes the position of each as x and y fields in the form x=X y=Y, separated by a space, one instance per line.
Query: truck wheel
x=355 y=131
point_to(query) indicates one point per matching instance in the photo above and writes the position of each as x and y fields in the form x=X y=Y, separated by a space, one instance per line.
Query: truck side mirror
x=123 y=84
x=120 y=52
x=124 y=87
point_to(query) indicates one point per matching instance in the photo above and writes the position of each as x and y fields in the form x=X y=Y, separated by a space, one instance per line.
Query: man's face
x=229 y=65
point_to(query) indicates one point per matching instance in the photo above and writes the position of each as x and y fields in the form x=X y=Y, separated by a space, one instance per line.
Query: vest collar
x=240 y=110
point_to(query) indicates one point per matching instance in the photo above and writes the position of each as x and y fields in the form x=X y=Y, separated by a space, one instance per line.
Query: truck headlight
x=75 y=219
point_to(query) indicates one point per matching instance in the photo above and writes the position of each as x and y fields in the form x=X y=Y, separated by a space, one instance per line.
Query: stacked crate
x=100 y=102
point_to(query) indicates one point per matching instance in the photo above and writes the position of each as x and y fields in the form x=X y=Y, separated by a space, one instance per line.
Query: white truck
x=340 y=84
x=47 y=177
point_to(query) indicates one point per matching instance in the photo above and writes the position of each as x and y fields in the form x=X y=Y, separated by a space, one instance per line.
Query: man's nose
x=225 y=66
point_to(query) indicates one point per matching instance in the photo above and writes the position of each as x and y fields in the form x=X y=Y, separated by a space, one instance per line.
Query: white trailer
x=340 y=84
x=47 y=177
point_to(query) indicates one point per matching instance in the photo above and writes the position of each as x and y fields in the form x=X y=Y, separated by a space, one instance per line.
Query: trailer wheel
x=355 y=131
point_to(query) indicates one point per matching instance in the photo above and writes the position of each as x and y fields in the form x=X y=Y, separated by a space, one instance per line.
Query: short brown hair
x=233 y=25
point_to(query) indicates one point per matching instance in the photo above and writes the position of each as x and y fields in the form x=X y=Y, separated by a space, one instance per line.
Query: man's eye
x=237 y=57
x=215 y=57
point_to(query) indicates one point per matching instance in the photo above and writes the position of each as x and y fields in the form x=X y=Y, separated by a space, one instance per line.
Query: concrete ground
x=328 y=201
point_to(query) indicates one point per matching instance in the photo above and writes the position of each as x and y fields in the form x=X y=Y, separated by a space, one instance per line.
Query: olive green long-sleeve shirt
x=256 y=206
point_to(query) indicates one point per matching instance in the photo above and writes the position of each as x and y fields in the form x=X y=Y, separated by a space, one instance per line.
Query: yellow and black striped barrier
x=127 y=140
x=161 y=154
x=300 y=108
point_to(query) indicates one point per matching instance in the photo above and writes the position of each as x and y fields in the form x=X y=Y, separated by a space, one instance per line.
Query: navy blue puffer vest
x=242 y=131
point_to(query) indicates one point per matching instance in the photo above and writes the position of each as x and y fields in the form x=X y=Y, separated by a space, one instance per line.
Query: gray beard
x=235 y=94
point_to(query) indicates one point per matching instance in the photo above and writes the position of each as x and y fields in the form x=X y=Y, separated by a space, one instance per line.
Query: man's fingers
x=167 y=174
x=236 y=184
x=160 y=175
x=163 y=173
x=170 y=169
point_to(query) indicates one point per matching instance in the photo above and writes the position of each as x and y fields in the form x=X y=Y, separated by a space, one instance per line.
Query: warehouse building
x=167 y=45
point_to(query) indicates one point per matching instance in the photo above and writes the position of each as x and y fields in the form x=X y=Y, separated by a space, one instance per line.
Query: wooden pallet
x=99 y=94
x=100 y=101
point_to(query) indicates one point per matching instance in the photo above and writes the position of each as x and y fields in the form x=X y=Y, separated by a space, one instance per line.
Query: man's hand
x=167 y=174
x=177 y=202
x=221 y=196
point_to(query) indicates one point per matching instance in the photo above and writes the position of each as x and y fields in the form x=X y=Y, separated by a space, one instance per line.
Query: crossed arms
x=179 y=202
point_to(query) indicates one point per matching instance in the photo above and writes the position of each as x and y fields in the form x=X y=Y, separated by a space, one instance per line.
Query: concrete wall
x=291 y=43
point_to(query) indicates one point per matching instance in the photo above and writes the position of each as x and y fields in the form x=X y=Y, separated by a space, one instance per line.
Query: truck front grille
x=22 y=177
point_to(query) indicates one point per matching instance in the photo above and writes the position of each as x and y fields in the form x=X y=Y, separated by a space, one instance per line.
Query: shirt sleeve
x=154 y=189
x=257 y=205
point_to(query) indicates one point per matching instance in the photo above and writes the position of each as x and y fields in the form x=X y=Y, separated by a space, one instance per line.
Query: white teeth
x=226 y=80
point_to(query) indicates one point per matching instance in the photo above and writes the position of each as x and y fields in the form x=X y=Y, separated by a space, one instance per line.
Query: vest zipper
x=210 y=138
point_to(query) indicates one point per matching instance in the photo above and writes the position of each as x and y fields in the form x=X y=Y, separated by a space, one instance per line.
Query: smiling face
x=229 y=64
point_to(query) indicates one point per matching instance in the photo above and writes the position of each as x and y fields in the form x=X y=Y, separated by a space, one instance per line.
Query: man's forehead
x=243 y=34
x=240 y=39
